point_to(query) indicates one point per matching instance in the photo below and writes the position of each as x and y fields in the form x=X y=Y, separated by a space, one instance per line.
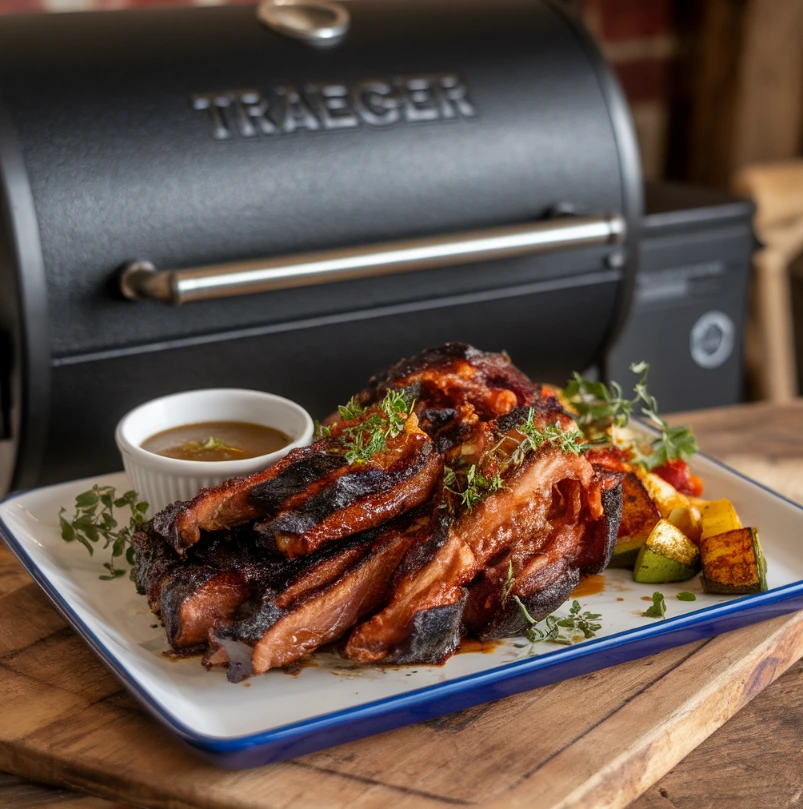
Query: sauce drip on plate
x=590 y=586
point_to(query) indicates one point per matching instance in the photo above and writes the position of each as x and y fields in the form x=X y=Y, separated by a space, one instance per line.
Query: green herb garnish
x=351 y=410
x=600 y=407
x=472 y=487
x=507 y=587
x=597 y=405
x=581 y=626
x=570 y=441
x=211 y=444
x=684 y=596
x=675 y=442
x=94 y=520
x=360 y=442
x=658 y=608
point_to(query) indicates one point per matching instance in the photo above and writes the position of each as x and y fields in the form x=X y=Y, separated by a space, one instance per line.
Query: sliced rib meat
x=549 y=517
x=196 y=598
x=204 y=590
x=355 y=497
x=275 y=629
x=194 y=593
x=313 y=494
x=220 y=508
x=542 y=581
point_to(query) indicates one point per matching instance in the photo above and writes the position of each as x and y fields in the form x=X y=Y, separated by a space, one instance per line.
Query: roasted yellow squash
x=689 y=520
x=663 y=494
x=719 y=517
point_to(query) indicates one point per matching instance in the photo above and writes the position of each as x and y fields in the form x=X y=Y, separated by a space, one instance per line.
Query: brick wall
x=638 y=40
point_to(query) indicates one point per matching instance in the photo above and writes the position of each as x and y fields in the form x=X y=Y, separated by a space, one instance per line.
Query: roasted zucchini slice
x=668 y=555
x=639 y=517
x=719 y=517
x=626 y=552
x=733 y=563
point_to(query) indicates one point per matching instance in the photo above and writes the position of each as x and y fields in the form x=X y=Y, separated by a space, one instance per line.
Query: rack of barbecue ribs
x=444 y=497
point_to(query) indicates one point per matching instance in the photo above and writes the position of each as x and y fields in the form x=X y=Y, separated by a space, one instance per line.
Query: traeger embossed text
x=329 y=106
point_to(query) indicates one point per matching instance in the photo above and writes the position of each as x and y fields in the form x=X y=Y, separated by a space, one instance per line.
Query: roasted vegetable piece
x=689 y=520
x=668 y=555
x=664 y=494
x=626 y=552
x=733 y=563
x=639 y=517
x=719 y=517
x=677 y=473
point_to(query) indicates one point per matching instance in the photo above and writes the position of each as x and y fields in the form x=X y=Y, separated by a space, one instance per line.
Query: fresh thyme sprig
x=510 y=581
x=674 y=442
x=361 y=441
x=94 y=520
x=350 y=410
x=472 y=487
x=658 y=608
x=570 y=441
x=581 y=626
x=599 y=407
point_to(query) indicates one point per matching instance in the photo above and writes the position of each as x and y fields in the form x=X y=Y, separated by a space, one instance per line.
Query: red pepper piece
x=677 y=473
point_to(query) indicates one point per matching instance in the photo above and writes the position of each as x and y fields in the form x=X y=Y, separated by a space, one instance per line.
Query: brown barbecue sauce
x=216 y=441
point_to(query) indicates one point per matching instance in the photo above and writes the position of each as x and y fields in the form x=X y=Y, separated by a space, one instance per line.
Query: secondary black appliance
x=689 y=307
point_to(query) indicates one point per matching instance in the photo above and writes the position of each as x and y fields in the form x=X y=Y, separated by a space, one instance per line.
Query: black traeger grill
x=290 y=197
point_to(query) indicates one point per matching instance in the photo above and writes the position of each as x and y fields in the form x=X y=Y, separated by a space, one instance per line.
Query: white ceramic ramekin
x=161 y=481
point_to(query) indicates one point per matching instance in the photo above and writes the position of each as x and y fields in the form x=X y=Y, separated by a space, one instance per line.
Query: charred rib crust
x=366 y=498
x=434 y=635
x=344 y=491
x=271 y=494
x=547 y=408
x=510 y=621
x=235 y=643
x=422 y=552
x=253 y=619
x=497 y=369
x=153 y=560
x=164 y=524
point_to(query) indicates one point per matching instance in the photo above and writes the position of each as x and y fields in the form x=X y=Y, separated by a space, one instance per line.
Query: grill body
x=198 y=137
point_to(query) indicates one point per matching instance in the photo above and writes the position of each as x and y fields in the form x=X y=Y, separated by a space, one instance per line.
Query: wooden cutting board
x=594 y=741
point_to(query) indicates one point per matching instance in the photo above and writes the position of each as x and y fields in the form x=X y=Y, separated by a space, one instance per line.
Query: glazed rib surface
x=460 y=513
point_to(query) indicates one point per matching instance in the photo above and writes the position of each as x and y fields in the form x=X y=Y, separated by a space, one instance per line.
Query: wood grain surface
x=599 y=740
